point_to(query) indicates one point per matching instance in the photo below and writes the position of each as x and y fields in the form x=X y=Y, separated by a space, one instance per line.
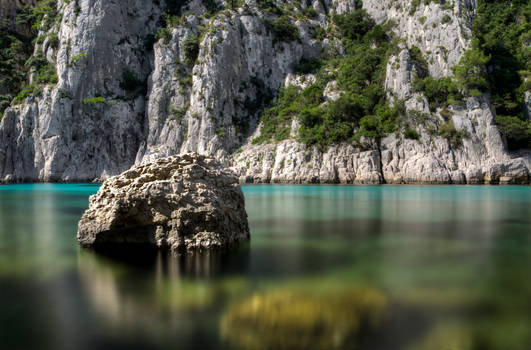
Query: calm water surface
x=328 y=267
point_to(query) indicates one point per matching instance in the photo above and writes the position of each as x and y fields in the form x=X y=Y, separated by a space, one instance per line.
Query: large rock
x=180 y=202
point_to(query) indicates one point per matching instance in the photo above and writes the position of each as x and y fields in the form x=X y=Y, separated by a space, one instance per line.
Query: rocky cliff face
x=66 y=134
x=121 y=100
x=482 y=158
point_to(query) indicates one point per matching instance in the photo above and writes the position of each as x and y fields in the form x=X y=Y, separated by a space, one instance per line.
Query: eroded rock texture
x=181 y=202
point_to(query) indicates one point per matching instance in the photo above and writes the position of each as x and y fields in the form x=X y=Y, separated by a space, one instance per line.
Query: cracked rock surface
x=180 y=202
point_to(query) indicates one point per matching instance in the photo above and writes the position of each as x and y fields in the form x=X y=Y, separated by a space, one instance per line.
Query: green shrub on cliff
x=516 y=131
x=45 y=14
x=284 y=30
x=131 y=82
x=355 y=25
x=276 y=120
x=14 y=51
x=360 y=110
x=470 y=73
x=503 y=30
x=451 y=134
x=32 y=89
x=191 y=48
x=98 y=100
x=438 y=92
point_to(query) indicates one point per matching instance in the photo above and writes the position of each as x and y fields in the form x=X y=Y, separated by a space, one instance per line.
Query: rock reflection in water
x=291 y=320
x=163 y=263
x=155 y=290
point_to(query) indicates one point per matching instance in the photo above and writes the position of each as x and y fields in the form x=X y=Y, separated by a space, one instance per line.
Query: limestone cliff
x=123 y=97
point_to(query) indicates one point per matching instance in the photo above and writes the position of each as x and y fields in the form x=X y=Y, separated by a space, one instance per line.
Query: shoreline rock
x=179 y=202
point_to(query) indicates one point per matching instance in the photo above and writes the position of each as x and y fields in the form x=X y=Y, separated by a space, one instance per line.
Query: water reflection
x=165 y=264
x=154 y=292
x=406 y=268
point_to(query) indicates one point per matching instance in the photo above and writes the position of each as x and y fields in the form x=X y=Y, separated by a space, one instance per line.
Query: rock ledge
x=180 y=202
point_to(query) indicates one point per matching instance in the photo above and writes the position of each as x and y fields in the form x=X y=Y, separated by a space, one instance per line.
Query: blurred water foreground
x=329 y=267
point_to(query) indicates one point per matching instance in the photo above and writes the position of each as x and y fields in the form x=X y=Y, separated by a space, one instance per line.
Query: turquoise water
x=328 y=267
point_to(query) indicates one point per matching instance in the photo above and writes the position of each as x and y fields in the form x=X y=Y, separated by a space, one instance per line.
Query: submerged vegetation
x=288 y=320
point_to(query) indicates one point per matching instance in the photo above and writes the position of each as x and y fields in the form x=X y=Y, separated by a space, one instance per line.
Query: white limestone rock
x=181 y=202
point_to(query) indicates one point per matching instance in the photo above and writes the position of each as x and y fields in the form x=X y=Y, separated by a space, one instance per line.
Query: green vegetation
x=177 y=113
x=411 y=134
x=414 y=5
x=449 y=132
x=307 y=66
x=498 y=62
x=45 y=14
x=419 y=117
x=284 y=30
x=503 y=32
x=269 y=6
x=97 y=100
x=438 y=92
x=220 y=132
x=172 y=18
x=191 y=49
x=45 y=73
x=54 y=41
x=317 y=32
x=16 y=60
x=309 y=12
x=234 y=4
x=269 y=320
x=210 y=6
x=446 y=19
x=361 y=110
x=164 y=33
x=173 y=7
x=76 y=58
x=44 y=70
x=32 y=89
x=419 y=61
x=131 y=82
x=14 y=52
x=516 y=131
x=469 y=79
x=470 y=73
x=276 y=120
x=355 y=26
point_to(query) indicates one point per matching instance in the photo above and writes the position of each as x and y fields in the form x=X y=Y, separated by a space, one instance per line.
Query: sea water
x=328 y=267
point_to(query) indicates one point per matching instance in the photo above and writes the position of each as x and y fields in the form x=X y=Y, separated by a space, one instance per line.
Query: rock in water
x=180 y=202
